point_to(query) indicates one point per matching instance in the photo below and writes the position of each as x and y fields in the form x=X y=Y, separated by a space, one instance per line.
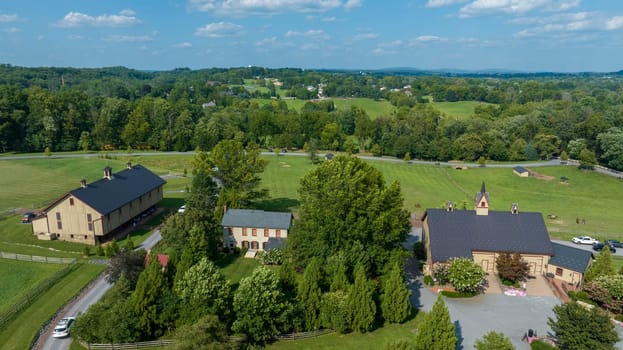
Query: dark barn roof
x=570 y=257
x=459 y=232
x=520 y=169
x=106 y=196
x=256 y=218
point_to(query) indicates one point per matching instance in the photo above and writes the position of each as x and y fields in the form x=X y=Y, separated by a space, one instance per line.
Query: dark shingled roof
x=106 y=196
x=458 y=233
x=570 y=257
x=520 y=169
x=256 y=218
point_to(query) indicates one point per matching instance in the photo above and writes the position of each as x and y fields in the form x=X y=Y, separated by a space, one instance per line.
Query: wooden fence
x=124 y=346
x=35 y=258
x=164 y=343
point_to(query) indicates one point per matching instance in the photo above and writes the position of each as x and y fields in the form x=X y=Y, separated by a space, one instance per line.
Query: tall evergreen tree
x=309 y=294
x=494 y=340
x=361 y=304
x=150 y=288
x=436 y=331
x=395 y=302
x=602 y=266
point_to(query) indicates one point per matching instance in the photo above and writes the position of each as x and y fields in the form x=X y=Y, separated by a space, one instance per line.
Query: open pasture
x=17 y=277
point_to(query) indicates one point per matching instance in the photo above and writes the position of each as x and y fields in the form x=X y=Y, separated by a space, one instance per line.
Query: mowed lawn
x=458 y=110
x=587 y=195
x=19 y=333
x=17 y=277
x=354 y=341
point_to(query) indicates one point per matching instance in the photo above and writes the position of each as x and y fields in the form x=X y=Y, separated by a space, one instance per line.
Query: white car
x=182 y=209
x=584 y=240
x=62 y=327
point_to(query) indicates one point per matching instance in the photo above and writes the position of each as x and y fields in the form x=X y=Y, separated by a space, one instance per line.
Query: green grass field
x=353 y=341
x=17 y=277
x=19 y=333
x=457 y=110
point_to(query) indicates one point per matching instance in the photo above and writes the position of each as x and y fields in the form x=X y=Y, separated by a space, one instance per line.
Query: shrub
x=619 y=318
x=453 y=294
x=465 y=275
x=86 y=251
x=440 y=271
x=99 y=251
x=271 y=257
x=428 y=280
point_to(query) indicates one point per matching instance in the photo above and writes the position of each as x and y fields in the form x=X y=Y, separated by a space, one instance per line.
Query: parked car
x=584 y=240
x=615 y=243
x=599 y=246
x=62 y=327
x=27 y=217
x=182 y=209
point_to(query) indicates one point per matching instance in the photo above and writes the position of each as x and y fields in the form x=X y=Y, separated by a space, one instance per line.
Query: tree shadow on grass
x=277 y=204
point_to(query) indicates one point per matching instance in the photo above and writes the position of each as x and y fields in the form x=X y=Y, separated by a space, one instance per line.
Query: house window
x=482 y=204
x=85 y=236
x=71 y=236
x=265 y=232
x=254 y=232
x=140 y=200
x=255 y=245
x=230 y=231
x=244 y=231
x=264 y=245
x=278 y=233
x=245 y=244
x=89 y=222
x=71 y=201
x=558 y=271
x=59 y=224
x=130 y=205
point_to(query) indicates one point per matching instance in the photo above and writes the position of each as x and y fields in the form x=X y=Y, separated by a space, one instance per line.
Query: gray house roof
x=520 y=169
x=106 y=196
x=459 y=232
x=256 y=218
x=570 y=257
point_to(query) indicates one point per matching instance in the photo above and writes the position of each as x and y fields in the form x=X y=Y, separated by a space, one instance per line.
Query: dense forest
x=521 y=116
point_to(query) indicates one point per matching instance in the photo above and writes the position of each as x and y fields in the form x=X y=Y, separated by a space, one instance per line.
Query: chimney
x=129 y=165
x=225 y=209
x=449 y=206
x=514 y=208
x=83 y=183
x=108 y=173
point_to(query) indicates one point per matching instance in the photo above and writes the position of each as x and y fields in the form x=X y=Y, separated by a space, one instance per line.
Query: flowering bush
x=271 y=257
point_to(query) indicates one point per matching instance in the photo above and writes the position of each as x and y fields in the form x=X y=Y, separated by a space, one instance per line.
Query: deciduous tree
x=602 y=266
x=512 y=267
x=578 y=328
x=208 y=333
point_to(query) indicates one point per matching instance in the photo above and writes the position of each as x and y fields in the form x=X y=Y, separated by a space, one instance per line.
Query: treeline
x=65 y=109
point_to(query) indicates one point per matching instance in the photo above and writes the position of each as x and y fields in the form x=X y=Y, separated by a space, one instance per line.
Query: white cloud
x=127 y=38
x=219 y=30
x=250 y=7
x=615 y=22
x=8 y=18
x=78 y=19
x=365 y=36
x=310 y=46
x=515 y=7
x=40 y=37
x=184 y=45
x=567 y=22
x=439 y=3
x=314 y=34
x=267 y=41
x=394 y=43
x=351 y=4
x=382 y=52
x=429 y=38
x=12 y=30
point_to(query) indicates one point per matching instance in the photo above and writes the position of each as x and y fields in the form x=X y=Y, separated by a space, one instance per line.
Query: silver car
x=62 y=327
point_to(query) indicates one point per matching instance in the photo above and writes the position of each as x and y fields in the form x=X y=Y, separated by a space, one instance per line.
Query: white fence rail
x=35 y=258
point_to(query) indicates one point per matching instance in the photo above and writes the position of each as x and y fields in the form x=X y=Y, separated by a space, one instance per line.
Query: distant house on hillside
x=521 y=171
x=95 y=212
x=255 y=229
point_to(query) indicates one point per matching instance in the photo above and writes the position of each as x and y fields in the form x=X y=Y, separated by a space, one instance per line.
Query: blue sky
x=526 y=35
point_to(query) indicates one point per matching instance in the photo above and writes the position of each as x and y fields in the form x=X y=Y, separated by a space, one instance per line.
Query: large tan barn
x=94 y=212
